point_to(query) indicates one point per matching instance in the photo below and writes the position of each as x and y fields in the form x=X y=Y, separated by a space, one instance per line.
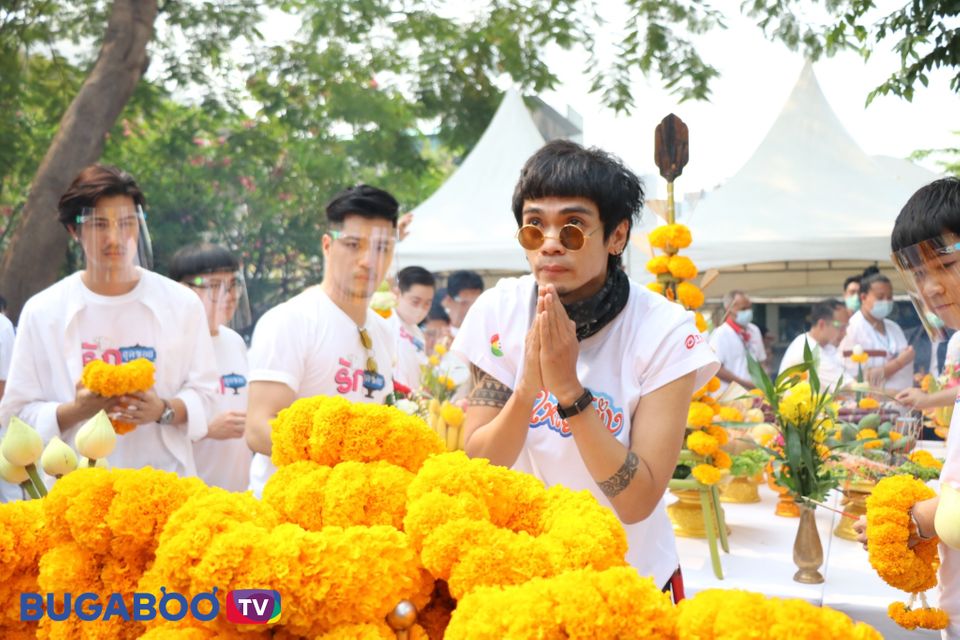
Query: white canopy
x=808 y=198
x=467 y=223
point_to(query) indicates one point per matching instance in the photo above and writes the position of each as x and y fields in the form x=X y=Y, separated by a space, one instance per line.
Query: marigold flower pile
x=365 y=510
x=913 y=570
x=112 y=380
x=673 y=271
x=705 y=438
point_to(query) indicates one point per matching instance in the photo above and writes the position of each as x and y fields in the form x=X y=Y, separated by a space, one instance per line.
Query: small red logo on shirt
x=693 y=340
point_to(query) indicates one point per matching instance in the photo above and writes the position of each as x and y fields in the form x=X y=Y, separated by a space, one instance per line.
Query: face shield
x=358 y=261
x=224 y=298
x=115 y=242
x=931 y=273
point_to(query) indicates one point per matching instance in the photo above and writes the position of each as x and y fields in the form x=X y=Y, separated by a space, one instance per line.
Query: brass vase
x=740 y=490
x=686 y=514
x=856 y=505
x=807 y=550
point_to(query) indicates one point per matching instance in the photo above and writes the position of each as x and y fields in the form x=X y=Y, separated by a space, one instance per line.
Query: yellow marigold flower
x=714 y=384
x=722 y=459
x=867 y=434
x=706 y=474
x=699 y=415
x=719 y=433
x=710 y=402
x=689 y=295
x=924 y=458
x=440 y=349
x=452 y=414
x=729 y=414
x=868 y=403
x=700 y=321
x=670 y=236
x=682 y=267
x=860 y=358
x=925 y=383
x=658 y=265
x=894 y=436
x=434 y=361
x=656 y=287
x=702 y=443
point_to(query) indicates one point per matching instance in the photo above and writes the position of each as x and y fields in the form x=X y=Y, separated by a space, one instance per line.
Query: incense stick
x=828 y=508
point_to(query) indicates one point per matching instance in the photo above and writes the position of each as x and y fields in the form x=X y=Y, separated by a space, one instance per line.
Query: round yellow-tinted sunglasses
x=572 y=237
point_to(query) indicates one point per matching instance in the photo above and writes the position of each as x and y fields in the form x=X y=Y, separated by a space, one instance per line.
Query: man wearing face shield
x=213 y=273
x=926 y=252
x=117 y=310
x=734 y=338
x=327 y=340
x=891 y=363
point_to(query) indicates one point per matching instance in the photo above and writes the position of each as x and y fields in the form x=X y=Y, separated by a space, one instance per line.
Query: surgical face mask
x=881 y=309
x=853 y=302
x=744 y=317
x=934 y=320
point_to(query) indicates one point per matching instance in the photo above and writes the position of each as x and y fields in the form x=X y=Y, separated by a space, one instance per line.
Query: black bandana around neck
x=598 y=310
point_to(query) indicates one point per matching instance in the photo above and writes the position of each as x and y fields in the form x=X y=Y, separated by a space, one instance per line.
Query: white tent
x=467 y=223
x=808 y=208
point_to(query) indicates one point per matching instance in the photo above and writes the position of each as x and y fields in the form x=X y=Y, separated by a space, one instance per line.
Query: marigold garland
x=658 y=265
x=888 y=532
x=111 y=380
x=924 y=458
x=690 y=295
x=670 y=236
x=699 y=414
x=706 y=474
x=682 y=267
x=702 y=443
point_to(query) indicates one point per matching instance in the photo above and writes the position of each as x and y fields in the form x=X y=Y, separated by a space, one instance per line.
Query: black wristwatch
x=578 y=406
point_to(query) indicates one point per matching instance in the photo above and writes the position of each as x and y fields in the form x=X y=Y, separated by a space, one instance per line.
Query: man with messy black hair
x=582 y=377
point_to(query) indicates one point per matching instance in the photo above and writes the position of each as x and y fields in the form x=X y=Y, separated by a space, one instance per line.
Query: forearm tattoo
x=487 y=391
x=619 y=481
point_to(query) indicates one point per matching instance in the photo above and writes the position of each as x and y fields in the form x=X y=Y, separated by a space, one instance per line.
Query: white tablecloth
x=761 y=560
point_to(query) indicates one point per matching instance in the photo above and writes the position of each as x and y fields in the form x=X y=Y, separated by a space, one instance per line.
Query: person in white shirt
x=463 y=289
x=7 y=337
x=213 y=273
x=851 y=293
x=891 y=365
x=925 y=242
x=327 y=340
x=436 y=326
x=415 y=290
x=115 y=310
x=581 y=376
x=828 y=325
x=734 y=338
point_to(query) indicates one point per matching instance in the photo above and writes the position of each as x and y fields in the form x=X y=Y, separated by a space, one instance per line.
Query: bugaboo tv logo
x=253 y=606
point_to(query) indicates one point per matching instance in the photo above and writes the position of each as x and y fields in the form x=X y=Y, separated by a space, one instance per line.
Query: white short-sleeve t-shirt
x=309 y=344
x=6 y=345
x=829 y=361
x=226 y=463
x=893 y=341
x=651 y=343
x=732 y=350
x=949 y=583
x=411 y=352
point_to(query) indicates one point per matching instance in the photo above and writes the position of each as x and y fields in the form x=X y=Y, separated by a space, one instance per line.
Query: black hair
x=364 y=201
x=929 y=212
x=409 y=276
x=91 y=184
x=436 y=309
x=846 y=283
x=566 y=169
x=872 y=276
x=197 y=259
x=461 y=280
x=824 y=310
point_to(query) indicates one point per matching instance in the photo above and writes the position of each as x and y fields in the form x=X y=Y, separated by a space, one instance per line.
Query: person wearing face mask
x=415 y=290
x=734 y=338
x=828 y=325
x=851 y=293
x=891 y=361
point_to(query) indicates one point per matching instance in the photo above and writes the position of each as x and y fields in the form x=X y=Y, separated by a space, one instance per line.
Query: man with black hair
x=582 y=377
x=463 y=289
x=327 y=340
x=926 y=252
x=828 y=325
x=414 y=290
x=851 y=293
x=6 y=344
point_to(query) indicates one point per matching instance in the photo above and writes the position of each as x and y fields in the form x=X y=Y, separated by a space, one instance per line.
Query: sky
x=756 y=77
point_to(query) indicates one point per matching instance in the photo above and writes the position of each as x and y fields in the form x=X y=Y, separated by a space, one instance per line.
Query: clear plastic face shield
x=359 y=256
x=115 y=242
x=224 y=298
x=931 y=273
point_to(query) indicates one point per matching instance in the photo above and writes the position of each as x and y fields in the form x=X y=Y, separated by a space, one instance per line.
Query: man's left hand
x=139 y=408
x=559 y=350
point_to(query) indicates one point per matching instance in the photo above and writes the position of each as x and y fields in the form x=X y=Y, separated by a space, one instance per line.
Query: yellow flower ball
x=729 y=414
x=706 y=474
x=699 y=415
x=700 y=321
x=702 y=443
x=690 y=295
x=670 y=237
x=682 y=267
x=658 y=265
x=722 y=460
x=868 y=403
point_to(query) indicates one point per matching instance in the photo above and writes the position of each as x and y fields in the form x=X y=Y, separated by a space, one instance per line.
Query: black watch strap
x=578 y=406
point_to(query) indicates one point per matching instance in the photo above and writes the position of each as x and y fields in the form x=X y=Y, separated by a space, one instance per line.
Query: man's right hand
x=227 y=425
x=532 y=380
x=84 y=406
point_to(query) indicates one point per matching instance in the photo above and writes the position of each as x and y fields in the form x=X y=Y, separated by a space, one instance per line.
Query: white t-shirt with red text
x=649 y=344
x=309 y=344
x=226 y=463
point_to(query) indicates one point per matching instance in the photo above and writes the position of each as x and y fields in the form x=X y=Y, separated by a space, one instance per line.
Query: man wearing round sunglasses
x=327 y=340
x=582 y=377
x=828 y=325
x=115 y=309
